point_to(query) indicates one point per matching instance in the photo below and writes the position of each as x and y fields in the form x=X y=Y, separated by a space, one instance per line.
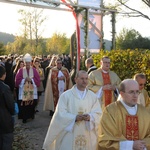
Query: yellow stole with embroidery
x=107 y=93
x=28 y=88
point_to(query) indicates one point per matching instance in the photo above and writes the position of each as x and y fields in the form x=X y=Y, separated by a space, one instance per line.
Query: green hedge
x=126 y=63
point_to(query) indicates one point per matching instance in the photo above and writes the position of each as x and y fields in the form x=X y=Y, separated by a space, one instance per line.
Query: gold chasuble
x=97 y=79
x=118 y=125
x=108 y=93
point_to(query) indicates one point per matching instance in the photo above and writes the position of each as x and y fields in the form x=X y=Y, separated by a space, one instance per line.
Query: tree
x=32 y=21
x=127 y=9
x=2 y=49
x=58 y=44
x=135 y=12
x=131 y=39
x=18 y=46
x=124 y=8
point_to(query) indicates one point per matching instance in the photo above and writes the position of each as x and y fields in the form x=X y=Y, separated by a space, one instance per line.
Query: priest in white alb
x=74 y=125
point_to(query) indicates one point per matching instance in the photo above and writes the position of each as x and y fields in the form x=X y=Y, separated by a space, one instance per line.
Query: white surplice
x=66 y=134
x=61 y=83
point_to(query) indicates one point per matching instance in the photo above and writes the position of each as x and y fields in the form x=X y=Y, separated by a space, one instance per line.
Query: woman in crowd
x=37 y=66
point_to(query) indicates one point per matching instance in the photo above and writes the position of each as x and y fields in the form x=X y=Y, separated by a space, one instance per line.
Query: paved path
x=30 y=136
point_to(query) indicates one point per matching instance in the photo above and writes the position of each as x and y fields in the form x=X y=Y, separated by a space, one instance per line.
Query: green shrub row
x=126 y=63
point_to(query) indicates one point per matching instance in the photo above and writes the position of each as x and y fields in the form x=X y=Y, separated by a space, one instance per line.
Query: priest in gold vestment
x=74 y=125
x=143 y=97
x=104 y=83
x=125 y=125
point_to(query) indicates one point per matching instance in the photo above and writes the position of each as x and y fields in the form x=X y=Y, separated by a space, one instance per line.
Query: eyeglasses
x=133 y=92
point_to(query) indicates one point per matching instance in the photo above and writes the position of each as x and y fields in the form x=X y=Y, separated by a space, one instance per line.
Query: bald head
x=129 y=91
x=125 y=83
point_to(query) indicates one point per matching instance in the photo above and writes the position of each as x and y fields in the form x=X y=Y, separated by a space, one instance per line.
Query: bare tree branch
x=147 y=2
x=131 y=14
x=141 y=14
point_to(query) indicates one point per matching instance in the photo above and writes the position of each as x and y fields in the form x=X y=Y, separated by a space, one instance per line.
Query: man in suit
x=6 y=113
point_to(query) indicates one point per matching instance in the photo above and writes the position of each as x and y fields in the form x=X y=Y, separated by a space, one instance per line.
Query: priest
x=74 y=125
x=58 y=81
x=125 y=125
x=143 y=97
x=104 y=83
x=27 y=80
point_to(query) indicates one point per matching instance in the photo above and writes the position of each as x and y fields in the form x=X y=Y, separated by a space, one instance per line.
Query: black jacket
x=6 y=109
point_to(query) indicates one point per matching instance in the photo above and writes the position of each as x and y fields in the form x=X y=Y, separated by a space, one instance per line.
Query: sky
x=64 y=22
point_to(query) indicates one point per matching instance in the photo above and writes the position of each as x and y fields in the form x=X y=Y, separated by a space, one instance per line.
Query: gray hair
x=139 y=75
x=79 y=72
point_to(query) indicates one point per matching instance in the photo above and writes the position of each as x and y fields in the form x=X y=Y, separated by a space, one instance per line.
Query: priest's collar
x=105 y=71
x=80 y=93
x=131 y=110
x=78 y=89
x=59 y=68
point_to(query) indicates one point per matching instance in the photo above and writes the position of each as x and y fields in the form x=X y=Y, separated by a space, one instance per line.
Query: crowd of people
x=98 y=112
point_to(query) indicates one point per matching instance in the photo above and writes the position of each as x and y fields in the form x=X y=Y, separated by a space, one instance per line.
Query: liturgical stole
x=132 y=128
x=28 y=88
x=107 y=93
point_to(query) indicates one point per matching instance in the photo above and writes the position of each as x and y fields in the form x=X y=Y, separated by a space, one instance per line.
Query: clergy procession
x=94 y=110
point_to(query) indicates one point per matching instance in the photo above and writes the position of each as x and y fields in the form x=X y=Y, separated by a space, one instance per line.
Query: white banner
x=94 y=33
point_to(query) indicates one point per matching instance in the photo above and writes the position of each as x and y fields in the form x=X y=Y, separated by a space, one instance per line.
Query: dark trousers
x=6 y=141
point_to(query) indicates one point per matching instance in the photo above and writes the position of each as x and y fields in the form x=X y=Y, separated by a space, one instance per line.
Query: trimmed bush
x=126 y=63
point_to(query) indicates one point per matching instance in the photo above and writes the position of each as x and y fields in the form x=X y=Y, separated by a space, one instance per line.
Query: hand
x=79 y=118
x=28 y=79
x=109 y=87
x=113 y=87
x=139 y=145
x=86 y=117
